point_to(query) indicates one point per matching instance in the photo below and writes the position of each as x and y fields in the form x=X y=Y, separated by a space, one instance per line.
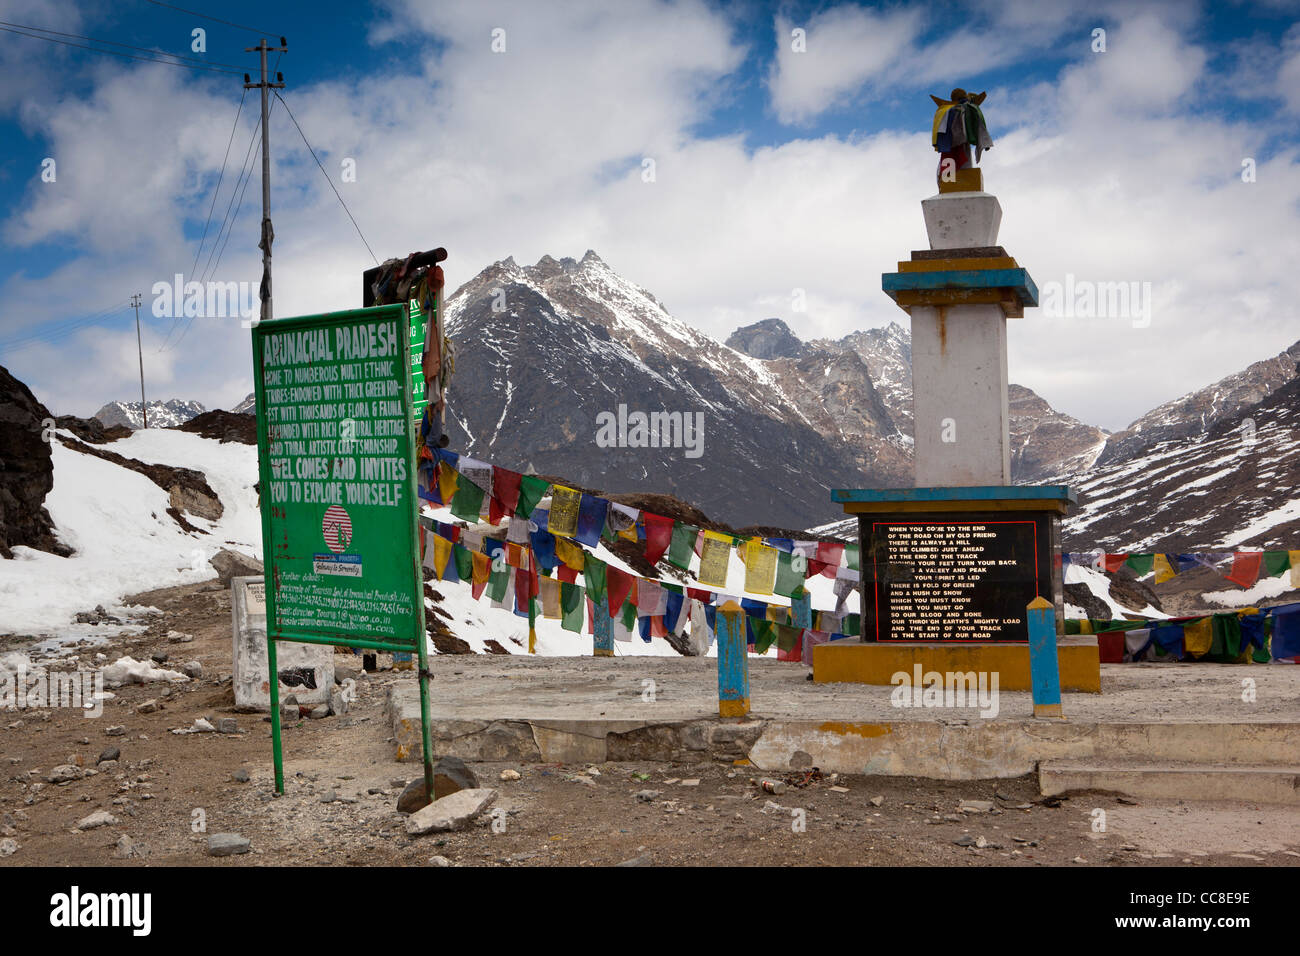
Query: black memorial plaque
x=955 y=577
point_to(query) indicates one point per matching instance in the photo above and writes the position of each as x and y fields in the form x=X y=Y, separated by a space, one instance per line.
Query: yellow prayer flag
x=1198 y=637
x=572 y=555
x=564 y=511
x=482 y=567
x=714 y=555
x=1295 y=568
x=760 y=566
x=441 y=553
x=446 y=483
x=1164 y=570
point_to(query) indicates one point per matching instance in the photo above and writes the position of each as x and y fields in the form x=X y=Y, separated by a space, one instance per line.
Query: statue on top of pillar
x=958 y=126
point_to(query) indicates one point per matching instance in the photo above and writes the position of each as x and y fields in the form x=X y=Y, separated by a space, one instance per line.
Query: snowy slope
x=125 y=541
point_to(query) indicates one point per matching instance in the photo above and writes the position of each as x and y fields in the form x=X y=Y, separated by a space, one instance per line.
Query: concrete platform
x=1078 y=659
x=575 y=710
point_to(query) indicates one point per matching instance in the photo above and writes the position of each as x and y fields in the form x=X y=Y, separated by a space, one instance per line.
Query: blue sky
x=775 y=170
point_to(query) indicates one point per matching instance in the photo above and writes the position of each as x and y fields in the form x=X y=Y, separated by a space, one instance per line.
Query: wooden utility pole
x=268 y=234
x=144 y=409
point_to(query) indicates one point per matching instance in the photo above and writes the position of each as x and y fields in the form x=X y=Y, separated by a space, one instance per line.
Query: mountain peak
x=767 y=339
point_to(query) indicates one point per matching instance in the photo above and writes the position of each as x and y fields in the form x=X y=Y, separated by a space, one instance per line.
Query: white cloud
x=1113 y=172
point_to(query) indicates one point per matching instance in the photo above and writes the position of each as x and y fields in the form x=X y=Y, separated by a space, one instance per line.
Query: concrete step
x=1174 y=781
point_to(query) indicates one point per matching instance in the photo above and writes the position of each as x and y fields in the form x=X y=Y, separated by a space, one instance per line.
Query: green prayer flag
x=629 y=615
x=853 y=624
x=573 y=606
x=593 y=575
x=853 y=555
x=1141 y=563
x=787 y=578
x=468 y=501
x=464 y=563
x=1276 y=562
x=786 y=637
x=531 y=490
x=683 y=545
x=764 y=634
x=499 y=583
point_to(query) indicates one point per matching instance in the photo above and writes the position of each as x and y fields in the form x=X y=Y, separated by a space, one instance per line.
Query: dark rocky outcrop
x=26 y=471
x=92 y=429
x=223 y=426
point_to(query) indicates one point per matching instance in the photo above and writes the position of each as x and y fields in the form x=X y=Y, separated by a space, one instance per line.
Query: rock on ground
x=227 y=844
x=231 y=564
x=100 y=818
x=454 y=812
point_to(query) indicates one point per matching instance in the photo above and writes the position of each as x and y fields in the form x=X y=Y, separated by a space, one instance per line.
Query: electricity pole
x=268 y=234
x=144 y=409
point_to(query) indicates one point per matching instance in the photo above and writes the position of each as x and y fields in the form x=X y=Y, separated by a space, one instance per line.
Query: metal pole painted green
x=276 y=749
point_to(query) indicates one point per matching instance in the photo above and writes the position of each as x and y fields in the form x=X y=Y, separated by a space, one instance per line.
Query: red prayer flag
x=566 y=574
x=505 y=486
x=815 y=568
x=619 y=584
x=699 y=594
x=1245 y=568
x=830 y=552
x=496 y=510
x=795 y=653
x=658 y=536
x=1113 y=562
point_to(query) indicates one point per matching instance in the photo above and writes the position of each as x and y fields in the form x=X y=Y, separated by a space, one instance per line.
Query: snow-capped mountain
x=161 y=414
x=547 y=353
x=1196 y=413
x=544 y=353
x=1235 y=487
x=248 y=406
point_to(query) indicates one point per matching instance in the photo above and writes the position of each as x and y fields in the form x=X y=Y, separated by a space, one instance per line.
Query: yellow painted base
x=1048 y=710
x=602 y=652
x=733 y=708
x=968 y=180
x=857 y=663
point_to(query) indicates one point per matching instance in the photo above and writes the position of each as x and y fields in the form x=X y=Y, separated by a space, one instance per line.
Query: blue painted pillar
x=733 y=661
x=1044 y=668
x=801 y=608
x=603 y=643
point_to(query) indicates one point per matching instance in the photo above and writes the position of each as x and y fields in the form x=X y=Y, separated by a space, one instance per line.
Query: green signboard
x=340 y=514
x=418 y=398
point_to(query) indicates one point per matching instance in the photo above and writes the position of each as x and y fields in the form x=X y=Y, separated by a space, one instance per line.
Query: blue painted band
x=950 y=493
x=1017 y=280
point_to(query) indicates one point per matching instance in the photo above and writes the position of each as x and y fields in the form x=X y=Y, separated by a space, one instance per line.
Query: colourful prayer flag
x=531 y=491
x=1245 y=568
x=659 y=533
x=505 y=487
x=1163 y=568
x=683 y=545
x=564 y=511
x=714 y=559
x=760 y=566
x=468 y=501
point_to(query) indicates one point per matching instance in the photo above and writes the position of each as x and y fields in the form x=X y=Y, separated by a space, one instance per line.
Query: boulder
x=227 y=844
x=231 y=564
x=450 y=774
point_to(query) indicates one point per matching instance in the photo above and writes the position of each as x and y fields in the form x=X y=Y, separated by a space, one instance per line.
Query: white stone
x=452 y=812
x=100 y=818
x=250 y=679
x=962 y=220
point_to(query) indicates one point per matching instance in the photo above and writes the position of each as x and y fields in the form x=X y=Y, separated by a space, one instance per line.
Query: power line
x=327 y=179
x=205 y=16
x=128 y=56
x=59 y=331
x=220 y=177
x=126 y=46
